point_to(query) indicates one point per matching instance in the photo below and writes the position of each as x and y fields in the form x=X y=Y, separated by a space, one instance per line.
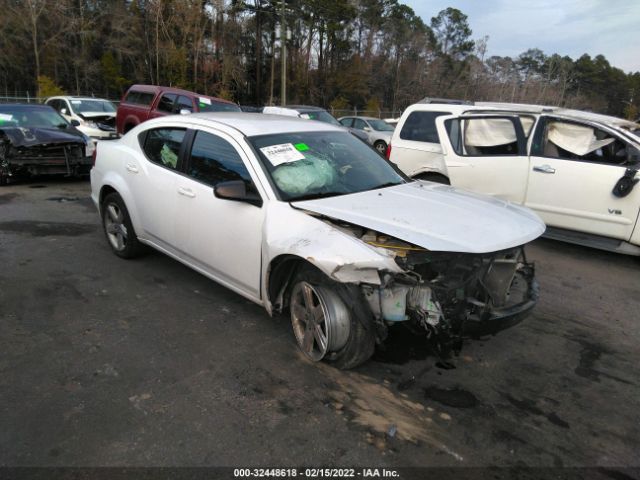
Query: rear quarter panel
x=109 y=170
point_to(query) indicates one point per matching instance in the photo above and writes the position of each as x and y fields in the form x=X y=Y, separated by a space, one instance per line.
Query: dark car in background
x=143 y=102
x=35 y=140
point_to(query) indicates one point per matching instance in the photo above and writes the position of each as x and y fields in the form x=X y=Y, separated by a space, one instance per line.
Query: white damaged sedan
x=302 y=217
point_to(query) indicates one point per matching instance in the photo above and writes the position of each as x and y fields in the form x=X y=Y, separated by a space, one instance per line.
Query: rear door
x=486 y=154
x=574 y=167
x=152 y=178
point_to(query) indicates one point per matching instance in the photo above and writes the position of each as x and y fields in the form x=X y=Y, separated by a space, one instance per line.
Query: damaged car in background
x=36 y=140
x=304 y=219
x=96 y=117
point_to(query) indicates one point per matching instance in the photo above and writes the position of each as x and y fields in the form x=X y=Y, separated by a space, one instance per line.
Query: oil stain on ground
x=454 y=397
x=401 y=346
x=528 y=406
x=7 y=197
x=47 y=229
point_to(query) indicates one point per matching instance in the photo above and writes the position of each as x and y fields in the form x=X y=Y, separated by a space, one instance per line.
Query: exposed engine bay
x=447 y=295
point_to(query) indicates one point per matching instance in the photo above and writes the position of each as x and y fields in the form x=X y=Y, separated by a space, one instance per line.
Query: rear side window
x=347 y=122
x=421 y=127
x=214 y=160
x=162 y=146
x=139 y=98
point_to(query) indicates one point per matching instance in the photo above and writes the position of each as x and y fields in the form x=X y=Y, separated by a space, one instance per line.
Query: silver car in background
x=378 y=131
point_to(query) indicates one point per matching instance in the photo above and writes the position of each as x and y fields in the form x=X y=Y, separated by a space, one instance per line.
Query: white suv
x=95 y=117
x=576 y=169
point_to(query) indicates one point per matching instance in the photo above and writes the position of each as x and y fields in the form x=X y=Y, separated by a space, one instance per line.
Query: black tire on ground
x=118 y=228
x=360 y=344
x=381 y=147
x=434 y=177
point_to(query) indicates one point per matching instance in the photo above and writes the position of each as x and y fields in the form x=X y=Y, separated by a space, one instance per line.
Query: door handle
x=132 y=168
x=186 y=192
x=544 y=169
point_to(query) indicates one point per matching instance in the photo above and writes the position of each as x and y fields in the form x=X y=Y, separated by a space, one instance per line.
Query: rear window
x=421 y=127
x=139 y=98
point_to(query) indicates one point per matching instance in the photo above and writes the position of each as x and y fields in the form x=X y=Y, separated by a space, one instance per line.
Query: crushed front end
x=448 y=296
x=30 y=157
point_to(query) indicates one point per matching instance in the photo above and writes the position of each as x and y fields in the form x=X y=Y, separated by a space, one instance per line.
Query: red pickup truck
x=143 y=102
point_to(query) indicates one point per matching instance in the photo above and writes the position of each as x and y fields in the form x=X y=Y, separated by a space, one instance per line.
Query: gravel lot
x=147 y=363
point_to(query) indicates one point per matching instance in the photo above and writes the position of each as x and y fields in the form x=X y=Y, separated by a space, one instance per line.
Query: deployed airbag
x=303 y=176
x=577 y=139
x=489 y=132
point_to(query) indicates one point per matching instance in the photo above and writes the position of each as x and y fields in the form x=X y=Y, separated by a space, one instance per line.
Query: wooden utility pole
x=283 y=56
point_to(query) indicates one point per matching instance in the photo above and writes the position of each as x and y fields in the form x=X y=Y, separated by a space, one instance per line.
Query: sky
x=566 y=27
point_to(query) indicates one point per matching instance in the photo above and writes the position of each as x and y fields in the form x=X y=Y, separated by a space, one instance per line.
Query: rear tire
x=381 y=147
x=434 y=177
x=330 y=321
x=118 y=229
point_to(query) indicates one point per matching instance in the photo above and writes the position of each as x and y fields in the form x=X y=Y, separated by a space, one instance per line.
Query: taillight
x=388 y=152
x=93 y=156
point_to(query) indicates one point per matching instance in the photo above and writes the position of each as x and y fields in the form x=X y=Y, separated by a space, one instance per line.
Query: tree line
x=364 y=54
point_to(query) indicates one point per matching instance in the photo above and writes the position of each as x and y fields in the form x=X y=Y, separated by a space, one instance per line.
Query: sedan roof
x=253 y=124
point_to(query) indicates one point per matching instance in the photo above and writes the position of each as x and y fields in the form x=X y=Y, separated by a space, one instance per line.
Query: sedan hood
x=97 y=115
x=435 y=217
x=28 y=137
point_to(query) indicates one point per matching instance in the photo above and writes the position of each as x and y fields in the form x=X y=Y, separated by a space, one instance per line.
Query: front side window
x=306 y=165
x=162 y=146
x=421 y=127
x=183 y=103
x=575 y=141
x=359 y=124
x=166 y=103
x=214 y=160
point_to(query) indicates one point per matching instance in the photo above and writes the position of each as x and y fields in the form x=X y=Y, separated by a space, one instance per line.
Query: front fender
x=342 y=257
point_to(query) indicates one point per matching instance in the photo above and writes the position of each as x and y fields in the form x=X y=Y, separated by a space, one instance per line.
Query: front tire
x=118 y=228
x=329 y=321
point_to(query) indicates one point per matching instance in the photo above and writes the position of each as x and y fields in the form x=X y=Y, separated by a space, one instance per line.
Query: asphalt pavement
x=109 y=362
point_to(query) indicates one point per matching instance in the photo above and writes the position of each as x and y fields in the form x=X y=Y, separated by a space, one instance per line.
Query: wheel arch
x=113 y=183
x=280 y=272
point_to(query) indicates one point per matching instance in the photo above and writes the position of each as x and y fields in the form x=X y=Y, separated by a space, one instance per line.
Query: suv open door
x=486 y=153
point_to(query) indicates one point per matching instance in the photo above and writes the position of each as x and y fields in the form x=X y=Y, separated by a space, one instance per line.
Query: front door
x=485 y=154
x=221 y=237
x=574 y=167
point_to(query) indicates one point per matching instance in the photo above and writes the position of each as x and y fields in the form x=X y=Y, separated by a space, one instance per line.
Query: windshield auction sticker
x=206 y=101
x=283 y=153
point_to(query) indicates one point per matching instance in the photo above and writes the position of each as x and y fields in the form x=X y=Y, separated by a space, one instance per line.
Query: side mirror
x=75 y=122
x=63 y=111
x=236 y=190
x=185 y=111
x=367 y=129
